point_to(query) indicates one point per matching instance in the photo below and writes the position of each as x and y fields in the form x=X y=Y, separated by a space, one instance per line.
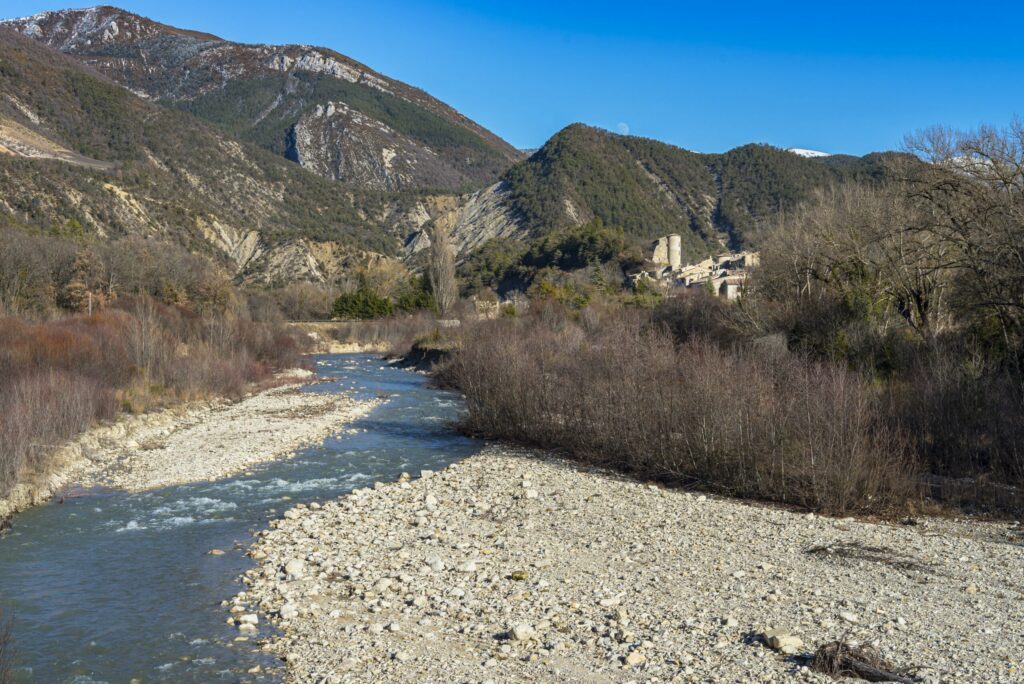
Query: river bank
x=516 y=566
x=192 y=441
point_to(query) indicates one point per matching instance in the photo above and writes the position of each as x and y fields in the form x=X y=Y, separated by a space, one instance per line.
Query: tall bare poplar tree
x=442 y=270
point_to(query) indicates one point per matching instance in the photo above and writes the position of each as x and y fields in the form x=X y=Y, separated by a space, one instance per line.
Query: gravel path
x=512 y=567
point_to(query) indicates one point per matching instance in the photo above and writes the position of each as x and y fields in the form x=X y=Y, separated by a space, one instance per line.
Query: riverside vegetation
x=58 y=377
x=875 y=359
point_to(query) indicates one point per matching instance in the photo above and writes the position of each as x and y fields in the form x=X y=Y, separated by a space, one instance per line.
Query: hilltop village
x=723 y=274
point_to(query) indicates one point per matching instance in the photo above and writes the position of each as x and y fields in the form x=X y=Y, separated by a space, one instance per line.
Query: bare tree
x=973 y=189
x=144 y=335
x=943 y=246
x=862 y=246
x=441 y=270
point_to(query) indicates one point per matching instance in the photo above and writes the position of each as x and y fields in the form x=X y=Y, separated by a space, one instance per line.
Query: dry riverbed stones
x=211 y=441
x=513 y=566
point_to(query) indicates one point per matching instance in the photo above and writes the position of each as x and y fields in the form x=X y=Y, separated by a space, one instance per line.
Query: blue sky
x=840 y=77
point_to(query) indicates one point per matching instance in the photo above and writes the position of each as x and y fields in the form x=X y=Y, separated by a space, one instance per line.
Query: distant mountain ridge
x=331 y=114
x=650 y=188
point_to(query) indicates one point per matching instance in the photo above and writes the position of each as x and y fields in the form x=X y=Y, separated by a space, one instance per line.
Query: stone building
x=730 y=287
x=668 y=251
x=723 y=273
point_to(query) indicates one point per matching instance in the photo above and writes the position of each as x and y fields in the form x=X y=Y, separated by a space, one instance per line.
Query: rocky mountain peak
x=93 y=28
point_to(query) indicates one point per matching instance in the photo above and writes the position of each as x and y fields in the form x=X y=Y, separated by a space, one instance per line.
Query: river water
x=112 y=587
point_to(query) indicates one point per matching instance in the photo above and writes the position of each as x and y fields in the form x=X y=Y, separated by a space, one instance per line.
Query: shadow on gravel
x=856 y=551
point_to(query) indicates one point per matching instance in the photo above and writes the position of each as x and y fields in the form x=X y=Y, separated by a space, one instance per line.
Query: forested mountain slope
x=176 y=153
x=649 y=188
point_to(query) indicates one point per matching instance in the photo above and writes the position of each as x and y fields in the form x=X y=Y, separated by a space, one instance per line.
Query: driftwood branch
x=841 y=660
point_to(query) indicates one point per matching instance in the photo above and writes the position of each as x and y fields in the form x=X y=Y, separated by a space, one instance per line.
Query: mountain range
x=329 y=113
x=293 y=162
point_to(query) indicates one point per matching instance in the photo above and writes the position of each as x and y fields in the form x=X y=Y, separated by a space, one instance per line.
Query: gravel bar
x=514 y=566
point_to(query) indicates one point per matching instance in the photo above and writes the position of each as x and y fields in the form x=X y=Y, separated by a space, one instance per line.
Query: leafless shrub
x=737 y=422
x=41 y=409
x=696 y=314
x=966 y=420
x=396 y=335
x=304 y=301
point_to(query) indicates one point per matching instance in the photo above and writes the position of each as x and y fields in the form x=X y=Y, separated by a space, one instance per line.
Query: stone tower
x=675 y=252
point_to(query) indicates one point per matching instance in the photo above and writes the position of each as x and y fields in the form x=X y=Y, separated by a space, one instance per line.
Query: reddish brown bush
x=58 y=377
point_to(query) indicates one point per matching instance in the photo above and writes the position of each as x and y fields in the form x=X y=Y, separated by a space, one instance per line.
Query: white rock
x=522 y=632
x=782 y=640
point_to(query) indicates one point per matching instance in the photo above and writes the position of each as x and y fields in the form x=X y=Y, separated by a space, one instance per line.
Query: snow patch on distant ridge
x=807 y=153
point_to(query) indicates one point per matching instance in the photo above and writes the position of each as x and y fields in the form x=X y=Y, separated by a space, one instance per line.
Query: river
x=111 y=586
